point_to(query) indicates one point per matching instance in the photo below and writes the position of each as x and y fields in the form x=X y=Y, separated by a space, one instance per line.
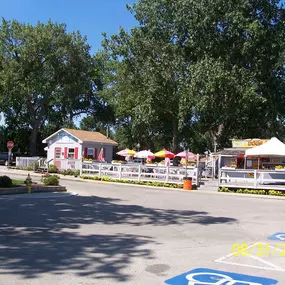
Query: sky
x=90 y=17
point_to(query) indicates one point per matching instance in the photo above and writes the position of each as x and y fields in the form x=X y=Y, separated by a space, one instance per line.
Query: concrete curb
x=34 y=189
x=25 y=172
x=200 y=192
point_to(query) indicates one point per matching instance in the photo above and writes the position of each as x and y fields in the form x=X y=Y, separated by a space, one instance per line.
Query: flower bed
x=252 y=191
x=146 y=183
x=28 y=186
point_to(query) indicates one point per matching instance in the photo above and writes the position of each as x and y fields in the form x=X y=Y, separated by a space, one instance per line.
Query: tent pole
x=245 y=162
x=258 y=163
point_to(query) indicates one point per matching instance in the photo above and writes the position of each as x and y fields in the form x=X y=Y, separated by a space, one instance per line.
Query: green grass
x=17 y=182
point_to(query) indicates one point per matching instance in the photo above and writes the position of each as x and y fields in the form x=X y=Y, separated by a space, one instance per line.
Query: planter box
x=35 y=189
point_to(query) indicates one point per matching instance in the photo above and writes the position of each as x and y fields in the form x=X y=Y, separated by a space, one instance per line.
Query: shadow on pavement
x=40 y=235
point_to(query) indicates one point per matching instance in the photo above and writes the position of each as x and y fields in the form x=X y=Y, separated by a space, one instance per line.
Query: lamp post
x=186 y=161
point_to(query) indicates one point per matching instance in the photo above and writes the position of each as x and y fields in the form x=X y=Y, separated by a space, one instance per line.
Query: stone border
x=35 y=189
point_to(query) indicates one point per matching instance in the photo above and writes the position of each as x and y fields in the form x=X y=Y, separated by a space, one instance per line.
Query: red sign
x=10 y=144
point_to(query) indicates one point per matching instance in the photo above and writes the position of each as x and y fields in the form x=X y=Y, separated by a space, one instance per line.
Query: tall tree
x=216 y=69
x=44 y=71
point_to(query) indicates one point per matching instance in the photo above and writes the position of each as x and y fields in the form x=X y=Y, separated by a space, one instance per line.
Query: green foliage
x=18 y=182
x=5 y=181
x=225 y=189
x=252 y=191
x=52 y=168
x=276 y=193
x=51 y=180
x=189 y=74
x=197 y=73
x=36 y=166
x=46 y=75
x=149 y=183
x=71 y=172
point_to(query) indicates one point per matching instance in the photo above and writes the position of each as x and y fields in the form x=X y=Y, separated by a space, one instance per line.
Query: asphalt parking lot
x=116 y=234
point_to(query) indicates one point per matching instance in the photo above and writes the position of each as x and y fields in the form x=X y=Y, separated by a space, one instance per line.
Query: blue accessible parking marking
x=204 y=276
x=278 y=236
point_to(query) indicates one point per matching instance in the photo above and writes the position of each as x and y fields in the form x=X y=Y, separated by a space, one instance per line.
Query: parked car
x=4 y=158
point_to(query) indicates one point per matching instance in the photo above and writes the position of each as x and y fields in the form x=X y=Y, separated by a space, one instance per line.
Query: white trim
x=62 y=129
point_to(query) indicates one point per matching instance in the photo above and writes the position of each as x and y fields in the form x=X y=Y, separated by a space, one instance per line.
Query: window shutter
x=95 y=153
x=65 y=152
x=76 y=153
x=85 y=152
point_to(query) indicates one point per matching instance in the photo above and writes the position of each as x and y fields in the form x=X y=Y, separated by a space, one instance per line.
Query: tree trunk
x=70 y=119
x=174 y=135
x=33 y=140
x=215 y=136
x=36 y=115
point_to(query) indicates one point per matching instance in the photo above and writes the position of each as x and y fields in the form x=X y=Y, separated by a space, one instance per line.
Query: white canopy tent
x=274 y=147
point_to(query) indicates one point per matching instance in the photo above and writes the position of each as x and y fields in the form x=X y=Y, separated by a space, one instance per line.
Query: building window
x=71 y=153
x=90 y=153
x=57 y=152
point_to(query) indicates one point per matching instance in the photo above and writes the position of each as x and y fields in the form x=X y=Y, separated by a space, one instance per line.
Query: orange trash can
x=187 y=185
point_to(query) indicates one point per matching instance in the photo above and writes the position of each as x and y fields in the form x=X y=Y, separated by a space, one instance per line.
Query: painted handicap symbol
x=204 y=276
x=278 y=236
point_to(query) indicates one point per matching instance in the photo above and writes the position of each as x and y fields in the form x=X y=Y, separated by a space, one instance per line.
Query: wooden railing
x=141 y=172
x=251 y=178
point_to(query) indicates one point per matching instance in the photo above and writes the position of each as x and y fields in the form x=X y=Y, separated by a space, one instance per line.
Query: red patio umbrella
x=183 y=154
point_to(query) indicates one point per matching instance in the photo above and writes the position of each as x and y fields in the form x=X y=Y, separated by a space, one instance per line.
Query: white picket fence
x=141 y=172
x=249 y=178
x=120 y=171
x=26 y=161
x=74 y=164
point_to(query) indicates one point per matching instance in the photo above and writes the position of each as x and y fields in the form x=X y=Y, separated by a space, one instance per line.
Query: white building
x=66 y=147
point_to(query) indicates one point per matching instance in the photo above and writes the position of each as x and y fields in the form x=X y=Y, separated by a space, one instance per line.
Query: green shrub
x=276 y=193
x=29 y=168
x=52 y=168
x=36 y=165
x=51 y=180
x=5 y=181
x=136 y=182
x=71 y=172
x=253 y=191
x=224 y=189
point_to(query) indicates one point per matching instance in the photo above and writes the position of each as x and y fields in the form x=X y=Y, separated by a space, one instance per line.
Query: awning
x=274 y=147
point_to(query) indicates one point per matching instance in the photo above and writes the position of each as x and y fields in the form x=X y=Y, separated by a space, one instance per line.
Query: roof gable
x=87 y=136
x=64 y=136
x=82 y=136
